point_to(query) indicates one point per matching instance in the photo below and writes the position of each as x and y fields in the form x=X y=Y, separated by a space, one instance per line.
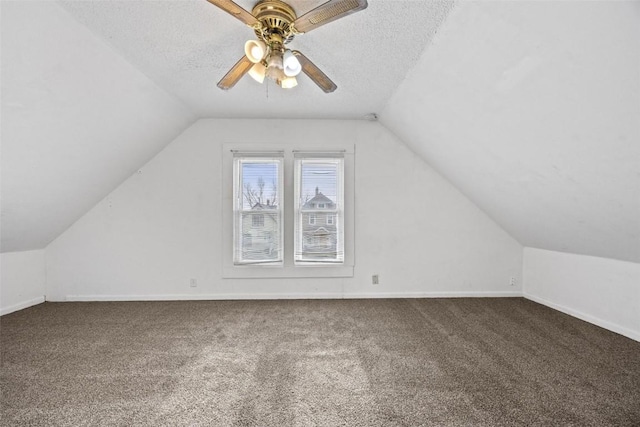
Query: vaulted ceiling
x=530 y=108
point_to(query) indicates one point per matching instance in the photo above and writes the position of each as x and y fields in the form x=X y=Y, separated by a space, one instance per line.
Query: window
x=257 y=210
x=257 y=220
x=319 y=192
x=264 y=190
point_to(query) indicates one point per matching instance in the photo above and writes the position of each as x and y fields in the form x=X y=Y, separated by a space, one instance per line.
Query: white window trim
x=287 y=269
x=266 y=157
x=319 y=211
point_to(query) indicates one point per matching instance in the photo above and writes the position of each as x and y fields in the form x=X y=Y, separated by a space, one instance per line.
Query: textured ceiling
x=187 y=46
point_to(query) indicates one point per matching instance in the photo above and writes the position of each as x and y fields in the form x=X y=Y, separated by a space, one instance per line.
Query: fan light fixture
x=288 y=82
x=258 y=71
x=275 y=61
x=291 y=64
x=275 y=23
x=255 y=50
x=283 y=69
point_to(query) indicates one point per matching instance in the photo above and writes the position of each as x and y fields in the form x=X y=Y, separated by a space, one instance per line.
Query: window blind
x=319 y=208
x=258 y=202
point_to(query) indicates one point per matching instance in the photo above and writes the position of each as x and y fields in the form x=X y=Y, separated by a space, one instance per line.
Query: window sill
x=279 y=272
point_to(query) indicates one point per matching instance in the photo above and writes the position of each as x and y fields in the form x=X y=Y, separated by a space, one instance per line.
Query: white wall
x=22 y=280
x=602 y=291
x=162 y=226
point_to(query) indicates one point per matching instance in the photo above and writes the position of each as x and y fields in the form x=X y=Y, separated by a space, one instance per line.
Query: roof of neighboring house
x=318 y=198
x=260 y=206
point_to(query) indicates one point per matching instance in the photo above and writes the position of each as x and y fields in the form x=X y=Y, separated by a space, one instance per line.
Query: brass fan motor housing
x=276 y=17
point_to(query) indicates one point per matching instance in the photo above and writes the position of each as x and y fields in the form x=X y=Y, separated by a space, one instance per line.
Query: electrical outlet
x=193 y=283
x=374 y=279
x=512 y=281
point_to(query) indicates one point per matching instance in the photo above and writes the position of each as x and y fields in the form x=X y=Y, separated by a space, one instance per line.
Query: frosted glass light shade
x=275 y=60
x=291 y=64
x=258 y=72
x=274 y=66
x=288 y=82
x=255 y=50
x=275 y=73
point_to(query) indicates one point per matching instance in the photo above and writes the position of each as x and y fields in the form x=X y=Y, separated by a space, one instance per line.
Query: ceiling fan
x=275 y=24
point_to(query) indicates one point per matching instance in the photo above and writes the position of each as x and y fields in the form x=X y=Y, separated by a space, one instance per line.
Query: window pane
x=319 y=234
x=260 y=239
x=258 y=219
x=319 y=184
x=259 y=184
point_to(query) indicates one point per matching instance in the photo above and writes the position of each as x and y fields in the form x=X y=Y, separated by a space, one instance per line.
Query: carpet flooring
x=398 y=362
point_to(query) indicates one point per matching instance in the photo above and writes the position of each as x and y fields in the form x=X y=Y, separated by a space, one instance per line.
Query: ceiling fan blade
x=236 y=11
x=315 y=73
x=327 y=12
x=235 y=73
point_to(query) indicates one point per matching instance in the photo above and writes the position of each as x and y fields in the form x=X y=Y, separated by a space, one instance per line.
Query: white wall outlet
x=374 y=279
x=193 y=283
x=512 y=281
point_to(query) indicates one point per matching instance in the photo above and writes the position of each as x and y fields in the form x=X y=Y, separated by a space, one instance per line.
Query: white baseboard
x=197 y=297
x=629 y=333
x=436 y=294
x=22 y=305
x=273 y=296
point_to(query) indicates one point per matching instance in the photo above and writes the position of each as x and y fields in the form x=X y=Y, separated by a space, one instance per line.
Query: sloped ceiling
x=533 y=110
x=77 y=120
x=530 y=108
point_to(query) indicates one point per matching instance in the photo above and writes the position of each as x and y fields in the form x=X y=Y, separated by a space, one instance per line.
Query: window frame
x=239 y=212
x=288 y=269
x=317 y=212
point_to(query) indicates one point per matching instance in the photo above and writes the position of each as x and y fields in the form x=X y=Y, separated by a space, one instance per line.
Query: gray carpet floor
x=400 y=362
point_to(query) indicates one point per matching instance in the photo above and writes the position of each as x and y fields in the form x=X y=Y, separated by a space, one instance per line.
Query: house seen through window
x=319 y=236
x=258 y=214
